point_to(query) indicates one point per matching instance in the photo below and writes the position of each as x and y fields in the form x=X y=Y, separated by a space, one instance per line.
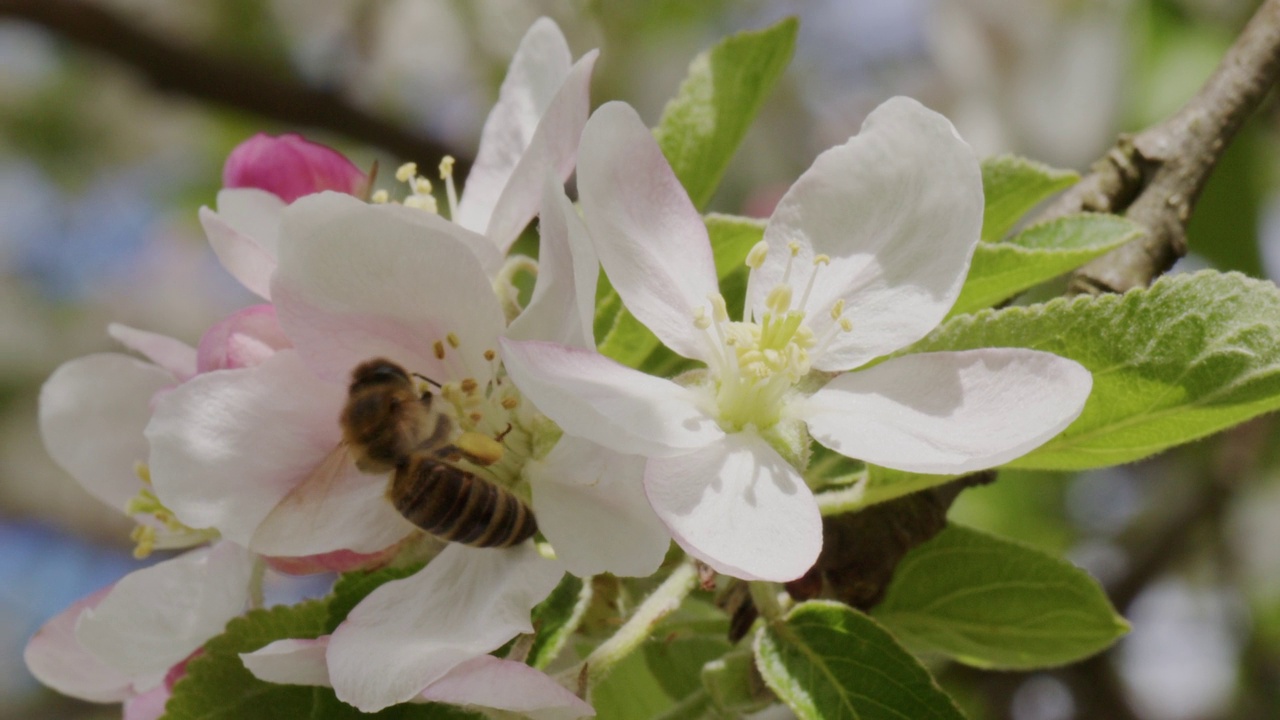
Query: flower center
x=756 y=362
x=492 y=406
x=421 y=192
x=158 y=527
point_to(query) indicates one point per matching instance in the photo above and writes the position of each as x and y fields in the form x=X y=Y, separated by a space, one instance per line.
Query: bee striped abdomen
x=459 y=506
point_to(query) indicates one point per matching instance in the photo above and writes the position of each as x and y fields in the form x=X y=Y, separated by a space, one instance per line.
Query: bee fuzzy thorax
x=455 y=449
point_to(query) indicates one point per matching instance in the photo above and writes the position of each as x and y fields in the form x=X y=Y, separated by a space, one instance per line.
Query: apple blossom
x=290 y=166
x=531 y=133
x=128 y=642
x=256 y=452
x=863 y=256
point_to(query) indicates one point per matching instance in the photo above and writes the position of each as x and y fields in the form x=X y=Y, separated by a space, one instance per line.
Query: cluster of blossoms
x=236 y=442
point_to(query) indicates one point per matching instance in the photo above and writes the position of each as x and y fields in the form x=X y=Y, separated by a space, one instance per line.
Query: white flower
x=863 y=256
x=124 y=643
x=531 y=133
x=255 y=452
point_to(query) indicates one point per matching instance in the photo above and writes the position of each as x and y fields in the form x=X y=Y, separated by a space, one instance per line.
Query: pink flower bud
x=290 y=166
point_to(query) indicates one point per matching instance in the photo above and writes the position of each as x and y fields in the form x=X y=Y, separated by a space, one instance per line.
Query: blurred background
x=106 y=154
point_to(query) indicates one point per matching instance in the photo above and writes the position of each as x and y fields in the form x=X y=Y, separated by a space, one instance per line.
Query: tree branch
x=171 y=67
x=1155 y=177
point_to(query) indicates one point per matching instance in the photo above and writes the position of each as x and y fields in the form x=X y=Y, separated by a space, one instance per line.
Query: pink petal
x=537 y=72
x=948 y=412
x=551 y=153
x=290 y=166
x=590 y=504
x=173 y=355
x=898 y=209
x=246 y=338
x=147 y=706
x=92 y=414
x=291 y=662
x=650 y=238
x=739 y=507
x=57 y=659
x=563 y=305
x=154 y=618
x=409 y=633
x=244 y=234
x=338 y=561
x=360 y=281
x=229 y=446
x=491 y=682
x=595 y=398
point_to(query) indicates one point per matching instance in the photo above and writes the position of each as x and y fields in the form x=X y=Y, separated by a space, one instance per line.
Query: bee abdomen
x=459 y=506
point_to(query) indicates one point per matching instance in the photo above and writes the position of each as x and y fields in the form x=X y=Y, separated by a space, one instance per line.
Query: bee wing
x=336 y=507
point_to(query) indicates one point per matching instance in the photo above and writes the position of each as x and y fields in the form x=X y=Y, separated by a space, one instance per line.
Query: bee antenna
x=427 y=380
x=499 y=437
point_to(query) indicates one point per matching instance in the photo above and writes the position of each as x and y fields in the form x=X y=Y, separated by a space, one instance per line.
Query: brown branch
x=1155 y=177
x=171 y=67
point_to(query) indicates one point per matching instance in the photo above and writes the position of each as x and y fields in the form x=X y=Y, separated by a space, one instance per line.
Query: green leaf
x=555 y=619
x=1189 y=356
x=627 y=340
x=1042 y=252
x=218 y=687
x=1012 y=186
x=703 y=124
x=992 y=603
x=827 y=660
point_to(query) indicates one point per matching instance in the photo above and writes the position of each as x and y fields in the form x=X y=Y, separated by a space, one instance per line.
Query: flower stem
x=765 y=597
x=256 y=599
x=663 y=601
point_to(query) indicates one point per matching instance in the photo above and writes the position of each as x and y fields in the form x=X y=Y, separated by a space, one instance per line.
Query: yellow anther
x=756 y=257
x=453 y=340
x=488 y=354
x=421 y=185
x=143 y=472
x=439 y=350
x=145 y=537
x=469 y=385
x=822 y=259
x=476 y=417
x=446 y=167
x=422 y=202
x=846 y=324
x=406 y=172
x=510 y=403
x=779 y=299
x=838 y=309
x=380 y=197
x=700 y=319
x=794 y=247
x=719 y=310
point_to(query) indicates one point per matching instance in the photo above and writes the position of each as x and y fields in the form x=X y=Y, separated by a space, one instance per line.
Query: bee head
x=378 y=372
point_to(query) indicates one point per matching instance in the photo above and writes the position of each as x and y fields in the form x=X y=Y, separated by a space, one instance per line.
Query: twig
x=1155 y=177
x=172 y=67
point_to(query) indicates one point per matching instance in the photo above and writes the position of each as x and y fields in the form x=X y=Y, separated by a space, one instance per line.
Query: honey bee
x=389 y=427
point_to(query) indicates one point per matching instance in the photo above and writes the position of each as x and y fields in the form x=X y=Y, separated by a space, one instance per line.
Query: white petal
x=228 y=446
x=650 y=239
x=409 y=633
x=57 y=659
x=171 y=354
x=359 y=281
x=551 y=152
x=336 y=508
x=898 y=209
x=243 y=234
x=562 y=308
x=537 y=71
x=492 y=682
x=739 y=507
x=948 y=412
x=594 y=397
x=92 y=414
x=590 y=504
x=155 y=617
x=290 y=662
